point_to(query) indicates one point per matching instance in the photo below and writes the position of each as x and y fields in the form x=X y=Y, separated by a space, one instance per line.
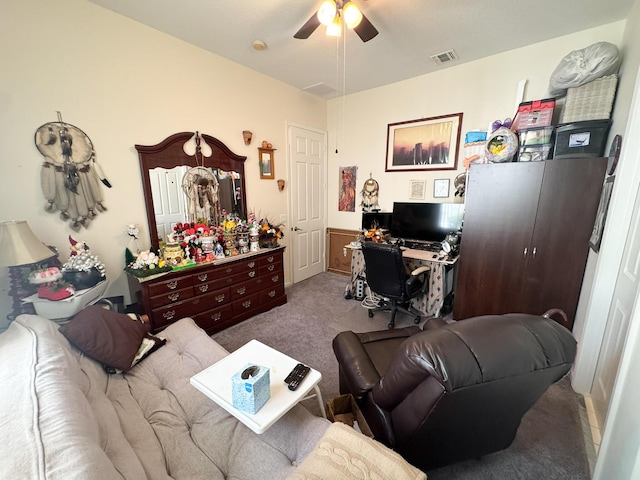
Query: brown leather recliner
x=456 y=392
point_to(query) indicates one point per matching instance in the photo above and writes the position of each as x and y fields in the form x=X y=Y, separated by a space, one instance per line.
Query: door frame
x=290 y=196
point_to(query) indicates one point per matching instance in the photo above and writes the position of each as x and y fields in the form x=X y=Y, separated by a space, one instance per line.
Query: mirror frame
x=170 y=153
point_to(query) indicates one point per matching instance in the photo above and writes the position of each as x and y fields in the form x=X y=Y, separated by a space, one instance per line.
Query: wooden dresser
x=216 y=295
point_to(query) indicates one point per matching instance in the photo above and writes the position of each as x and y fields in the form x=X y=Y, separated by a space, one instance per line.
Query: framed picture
x=266 y=163
x=601 y=215
x=441 y=188
x=425 y=144
x=417 y=190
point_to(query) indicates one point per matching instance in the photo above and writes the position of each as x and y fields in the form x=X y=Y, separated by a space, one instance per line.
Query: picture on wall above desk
x=347 y=193
x=424 y=144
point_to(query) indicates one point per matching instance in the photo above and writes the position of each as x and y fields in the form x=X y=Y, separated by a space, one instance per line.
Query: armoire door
x=500 y=209
x=560 y=245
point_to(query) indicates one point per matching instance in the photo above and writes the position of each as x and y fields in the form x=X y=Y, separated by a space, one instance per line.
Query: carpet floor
x=549 y=444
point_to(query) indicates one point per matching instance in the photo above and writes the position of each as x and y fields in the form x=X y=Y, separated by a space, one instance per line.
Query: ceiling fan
x=331 y=14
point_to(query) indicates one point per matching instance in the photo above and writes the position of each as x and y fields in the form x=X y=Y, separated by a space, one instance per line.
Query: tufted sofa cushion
x=66 y=418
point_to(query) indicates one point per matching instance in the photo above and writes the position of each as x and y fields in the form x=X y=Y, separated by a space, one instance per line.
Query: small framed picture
x=441 y=188
x=417 y=190
x=266 y=163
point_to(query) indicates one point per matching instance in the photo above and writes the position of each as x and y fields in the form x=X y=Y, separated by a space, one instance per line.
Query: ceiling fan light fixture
x=334 y=29
x=327 y=12
x=352 y=14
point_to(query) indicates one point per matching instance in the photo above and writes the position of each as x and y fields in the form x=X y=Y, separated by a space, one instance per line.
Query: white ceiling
x=410 y=32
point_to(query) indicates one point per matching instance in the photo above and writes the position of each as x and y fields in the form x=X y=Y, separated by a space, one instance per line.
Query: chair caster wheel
x=417 y=320
x=370 y=313
x=347 y=296
x=390 y=326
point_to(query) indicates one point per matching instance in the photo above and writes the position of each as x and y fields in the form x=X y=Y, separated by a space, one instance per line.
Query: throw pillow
x=109 y=337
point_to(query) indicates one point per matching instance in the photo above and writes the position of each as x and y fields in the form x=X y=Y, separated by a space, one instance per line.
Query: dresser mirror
x=190 y=177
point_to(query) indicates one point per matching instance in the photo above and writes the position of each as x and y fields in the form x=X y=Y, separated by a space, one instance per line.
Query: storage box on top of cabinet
x=591 y=101
x=581 y=139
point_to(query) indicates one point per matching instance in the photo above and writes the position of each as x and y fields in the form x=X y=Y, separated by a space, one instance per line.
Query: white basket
x=591 y=101
x=68 y=307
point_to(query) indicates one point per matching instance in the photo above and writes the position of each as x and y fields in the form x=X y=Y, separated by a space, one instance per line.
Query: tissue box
x=250 y=394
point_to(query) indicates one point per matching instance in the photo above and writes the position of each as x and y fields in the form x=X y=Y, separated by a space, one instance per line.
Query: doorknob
x=295 y=229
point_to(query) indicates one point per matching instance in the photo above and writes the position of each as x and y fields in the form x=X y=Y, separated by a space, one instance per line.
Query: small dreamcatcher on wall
x=70 y=176
x=202 y=189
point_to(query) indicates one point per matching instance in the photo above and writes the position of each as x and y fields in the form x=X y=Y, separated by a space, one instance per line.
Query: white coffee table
x=215 y=383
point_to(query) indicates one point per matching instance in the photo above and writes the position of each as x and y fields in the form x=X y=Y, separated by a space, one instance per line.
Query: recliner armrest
x=355 y=364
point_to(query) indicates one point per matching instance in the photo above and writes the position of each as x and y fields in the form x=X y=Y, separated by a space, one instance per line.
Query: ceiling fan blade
x=308 y=28
x=365 y=30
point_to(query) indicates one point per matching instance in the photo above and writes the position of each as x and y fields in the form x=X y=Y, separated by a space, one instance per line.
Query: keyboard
x=426 y=246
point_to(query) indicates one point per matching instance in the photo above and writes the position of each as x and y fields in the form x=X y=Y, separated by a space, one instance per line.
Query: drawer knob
x=272 y=293
x=173 y=296
x=252 y=273
x=252 y=264
x=229 y=270
x=202 y=277
x=271 y=268
x=220 y=298
x=169 y=314
x=241 y=290
x=246 y=304
x=216 y=316
x=270 y=259
x=203 y=288
x=172 y=285
x=275 y=278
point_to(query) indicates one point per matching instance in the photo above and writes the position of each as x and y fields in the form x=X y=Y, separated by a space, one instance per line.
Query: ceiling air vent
x=444 y=57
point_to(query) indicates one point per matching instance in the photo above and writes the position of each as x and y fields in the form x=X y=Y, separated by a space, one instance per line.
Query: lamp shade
x=352 y=15
x=19 y=246
x=326 y=12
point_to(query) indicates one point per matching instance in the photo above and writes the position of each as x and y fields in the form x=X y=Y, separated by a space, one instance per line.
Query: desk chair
x=387 y=277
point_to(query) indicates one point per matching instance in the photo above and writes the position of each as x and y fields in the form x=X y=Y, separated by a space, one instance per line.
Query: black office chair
x=387 y=277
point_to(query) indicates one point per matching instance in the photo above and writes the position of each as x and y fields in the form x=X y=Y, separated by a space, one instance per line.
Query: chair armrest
x=415 y=276
x=420 y=270
x=355 y=364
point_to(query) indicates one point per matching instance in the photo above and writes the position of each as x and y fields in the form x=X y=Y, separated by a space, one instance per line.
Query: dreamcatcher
x=369 y=194
x=202 y=189
x=460 y=184
x=70 y=176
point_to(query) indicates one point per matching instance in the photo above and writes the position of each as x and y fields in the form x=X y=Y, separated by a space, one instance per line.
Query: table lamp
x=19 y=247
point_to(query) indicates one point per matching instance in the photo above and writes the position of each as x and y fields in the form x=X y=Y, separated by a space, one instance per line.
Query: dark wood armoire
x=525 y=239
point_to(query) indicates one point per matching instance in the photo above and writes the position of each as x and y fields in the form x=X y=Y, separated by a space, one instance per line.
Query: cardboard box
x=344 y=409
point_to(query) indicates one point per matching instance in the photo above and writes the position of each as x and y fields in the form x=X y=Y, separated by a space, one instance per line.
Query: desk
x=215 y=383
x=429 y=304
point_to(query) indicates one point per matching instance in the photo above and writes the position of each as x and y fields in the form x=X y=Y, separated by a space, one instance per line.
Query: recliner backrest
x=460 y=391
x=385 y=269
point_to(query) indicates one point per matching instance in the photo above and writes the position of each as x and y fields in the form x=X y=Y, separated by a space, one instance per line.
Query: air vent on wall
x=444 y=57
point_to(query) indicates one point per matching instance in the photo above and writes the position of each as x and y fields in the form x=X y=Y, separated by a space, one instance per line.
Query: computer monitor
x=430 y=222
x=376 y=220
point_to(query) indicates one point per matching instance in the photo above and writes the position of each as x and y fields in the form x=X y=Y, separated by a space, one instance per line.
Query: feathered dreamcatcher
x=202 y=189
x=369 y=192
x=70 y=176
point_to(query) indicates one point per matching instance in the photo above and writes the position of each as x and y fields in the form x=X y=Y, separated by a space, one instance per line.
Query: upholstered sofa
x=63 y=417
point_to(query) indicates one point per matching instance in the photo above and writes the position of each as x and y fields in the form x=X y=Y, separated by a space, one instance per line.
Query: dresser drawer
x=171 y=285
x=272 y=279
x=246 y=306
x=215 y=319
x=214 y=299
x=271 y=293
x=170 y=313
x=270 y=258
x=213 y=285
x=171 y=297
x=247 y=288
x=270 y=268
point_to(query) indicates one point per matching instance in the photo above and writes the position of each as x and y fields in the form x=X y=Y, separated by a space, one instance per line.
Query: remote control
x=296 y=376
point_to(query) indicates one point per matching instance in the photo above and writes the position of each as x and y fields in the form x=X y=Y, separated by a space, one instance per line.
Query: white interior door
x=627 y=287
x=169 y=201
x=307 y=158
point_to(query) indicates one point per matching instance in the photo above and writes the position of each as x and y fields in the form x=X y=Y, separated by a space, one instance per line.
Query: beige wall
x=124 y=84
x=484 y=90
